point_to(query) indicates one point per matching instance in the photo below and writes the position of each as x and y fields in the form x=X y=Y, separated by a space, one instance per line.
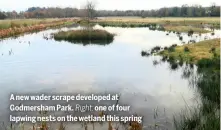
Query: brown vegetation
x=16 y=30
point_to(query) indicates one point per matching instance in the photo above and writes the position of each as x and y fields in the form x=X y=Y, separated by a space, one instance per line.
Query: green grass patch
x=185 y=29
x=194 y=52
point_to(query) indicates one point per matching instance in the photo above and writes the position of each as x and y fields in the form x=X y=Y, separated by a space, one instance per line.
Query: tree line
x=56 y=12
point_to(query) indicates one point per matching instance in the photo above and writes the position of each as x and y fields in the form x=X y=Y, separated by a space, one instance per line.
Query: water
x=39 y=65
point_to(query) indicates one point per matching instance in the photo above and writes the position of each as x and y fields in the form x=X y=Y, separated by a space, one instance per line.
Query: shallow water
x=39 y=65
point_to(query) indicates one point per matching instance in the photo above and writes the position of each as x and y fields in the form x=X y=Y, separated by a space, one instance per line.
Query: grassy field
x=185 y=29
x=5 y=24
x=194 y=52
x=17 y=27
x=179 y=24
x=178 y=20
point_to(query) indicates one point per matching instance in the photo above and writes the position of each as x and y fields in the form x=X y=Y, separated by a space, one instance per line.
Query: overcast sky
x=19 y=5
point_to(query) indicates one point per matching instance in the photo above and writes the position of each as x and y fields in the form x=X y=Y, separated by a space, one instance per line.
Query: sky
x=21 y=5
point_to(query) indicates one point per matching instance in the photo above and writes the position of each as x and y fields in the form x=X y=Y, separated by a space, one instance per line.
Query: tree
x=214 y=10
x=142 y=14
x=2 y=15
x=90 y=10
x=184 y=10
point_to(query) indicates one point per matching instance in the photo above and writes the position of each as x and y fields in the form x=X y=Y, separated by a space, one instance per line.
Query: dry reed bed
x=13 y=31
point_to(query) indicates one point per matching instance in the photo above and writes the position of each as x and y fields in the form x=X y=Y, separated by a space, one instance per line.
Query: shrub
x=173 y=65
x=124 y=25
x=190 y=32
x=181 y=62
x=174 y=45
x=178 y=33
x=143 y=53
x=165 y=48
x=132 y=25
x=205 y=63
x=171 y=49
x=155 y=49
x=186 y=49
x=161 y=28
x=171 y=59
x=213 y=49
x=164 y=58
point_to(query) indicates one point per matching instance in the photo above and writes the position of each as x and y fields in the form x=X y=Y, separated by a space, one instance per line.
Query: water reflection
x=94 y=42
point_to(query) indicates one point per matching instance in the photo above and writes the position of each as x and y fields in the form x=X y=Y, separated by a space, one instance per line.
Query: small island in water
x=85 y=36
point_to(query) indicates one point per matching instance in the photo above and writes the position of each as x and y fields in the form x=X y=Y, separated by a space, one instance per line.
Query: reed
x=16 y=29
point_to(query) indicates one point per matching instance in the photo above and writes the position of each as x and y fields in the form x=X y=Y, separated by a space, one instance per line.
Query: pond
x=31 y=63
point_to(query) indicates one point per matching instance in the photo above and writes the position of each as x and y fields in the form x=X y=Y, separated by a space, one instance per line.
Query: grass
x=85 y=23
x=85 y=36
x=164 y=20
x=5 y=24
x=206 y=55
x=153 y=26
x=194 y=52
x=185 y=29
x=207 y=115
x=180 y=24
x=120 y=24
x=25 y=26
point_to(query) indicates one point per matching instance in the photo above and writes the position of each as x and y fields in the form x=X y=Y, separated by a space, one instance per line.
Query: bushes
x=161 y=28
x=205 y=63
x=186 y=49
x=212 y=50
x=155 y=49
x=190 y=32
x=144 y=53
x=171 y=49
x=165 y=48
x=124 y=25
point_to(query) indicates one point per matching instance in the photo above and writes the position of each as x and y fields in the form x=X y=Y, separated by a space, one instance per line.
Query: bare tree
x=90 y=10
